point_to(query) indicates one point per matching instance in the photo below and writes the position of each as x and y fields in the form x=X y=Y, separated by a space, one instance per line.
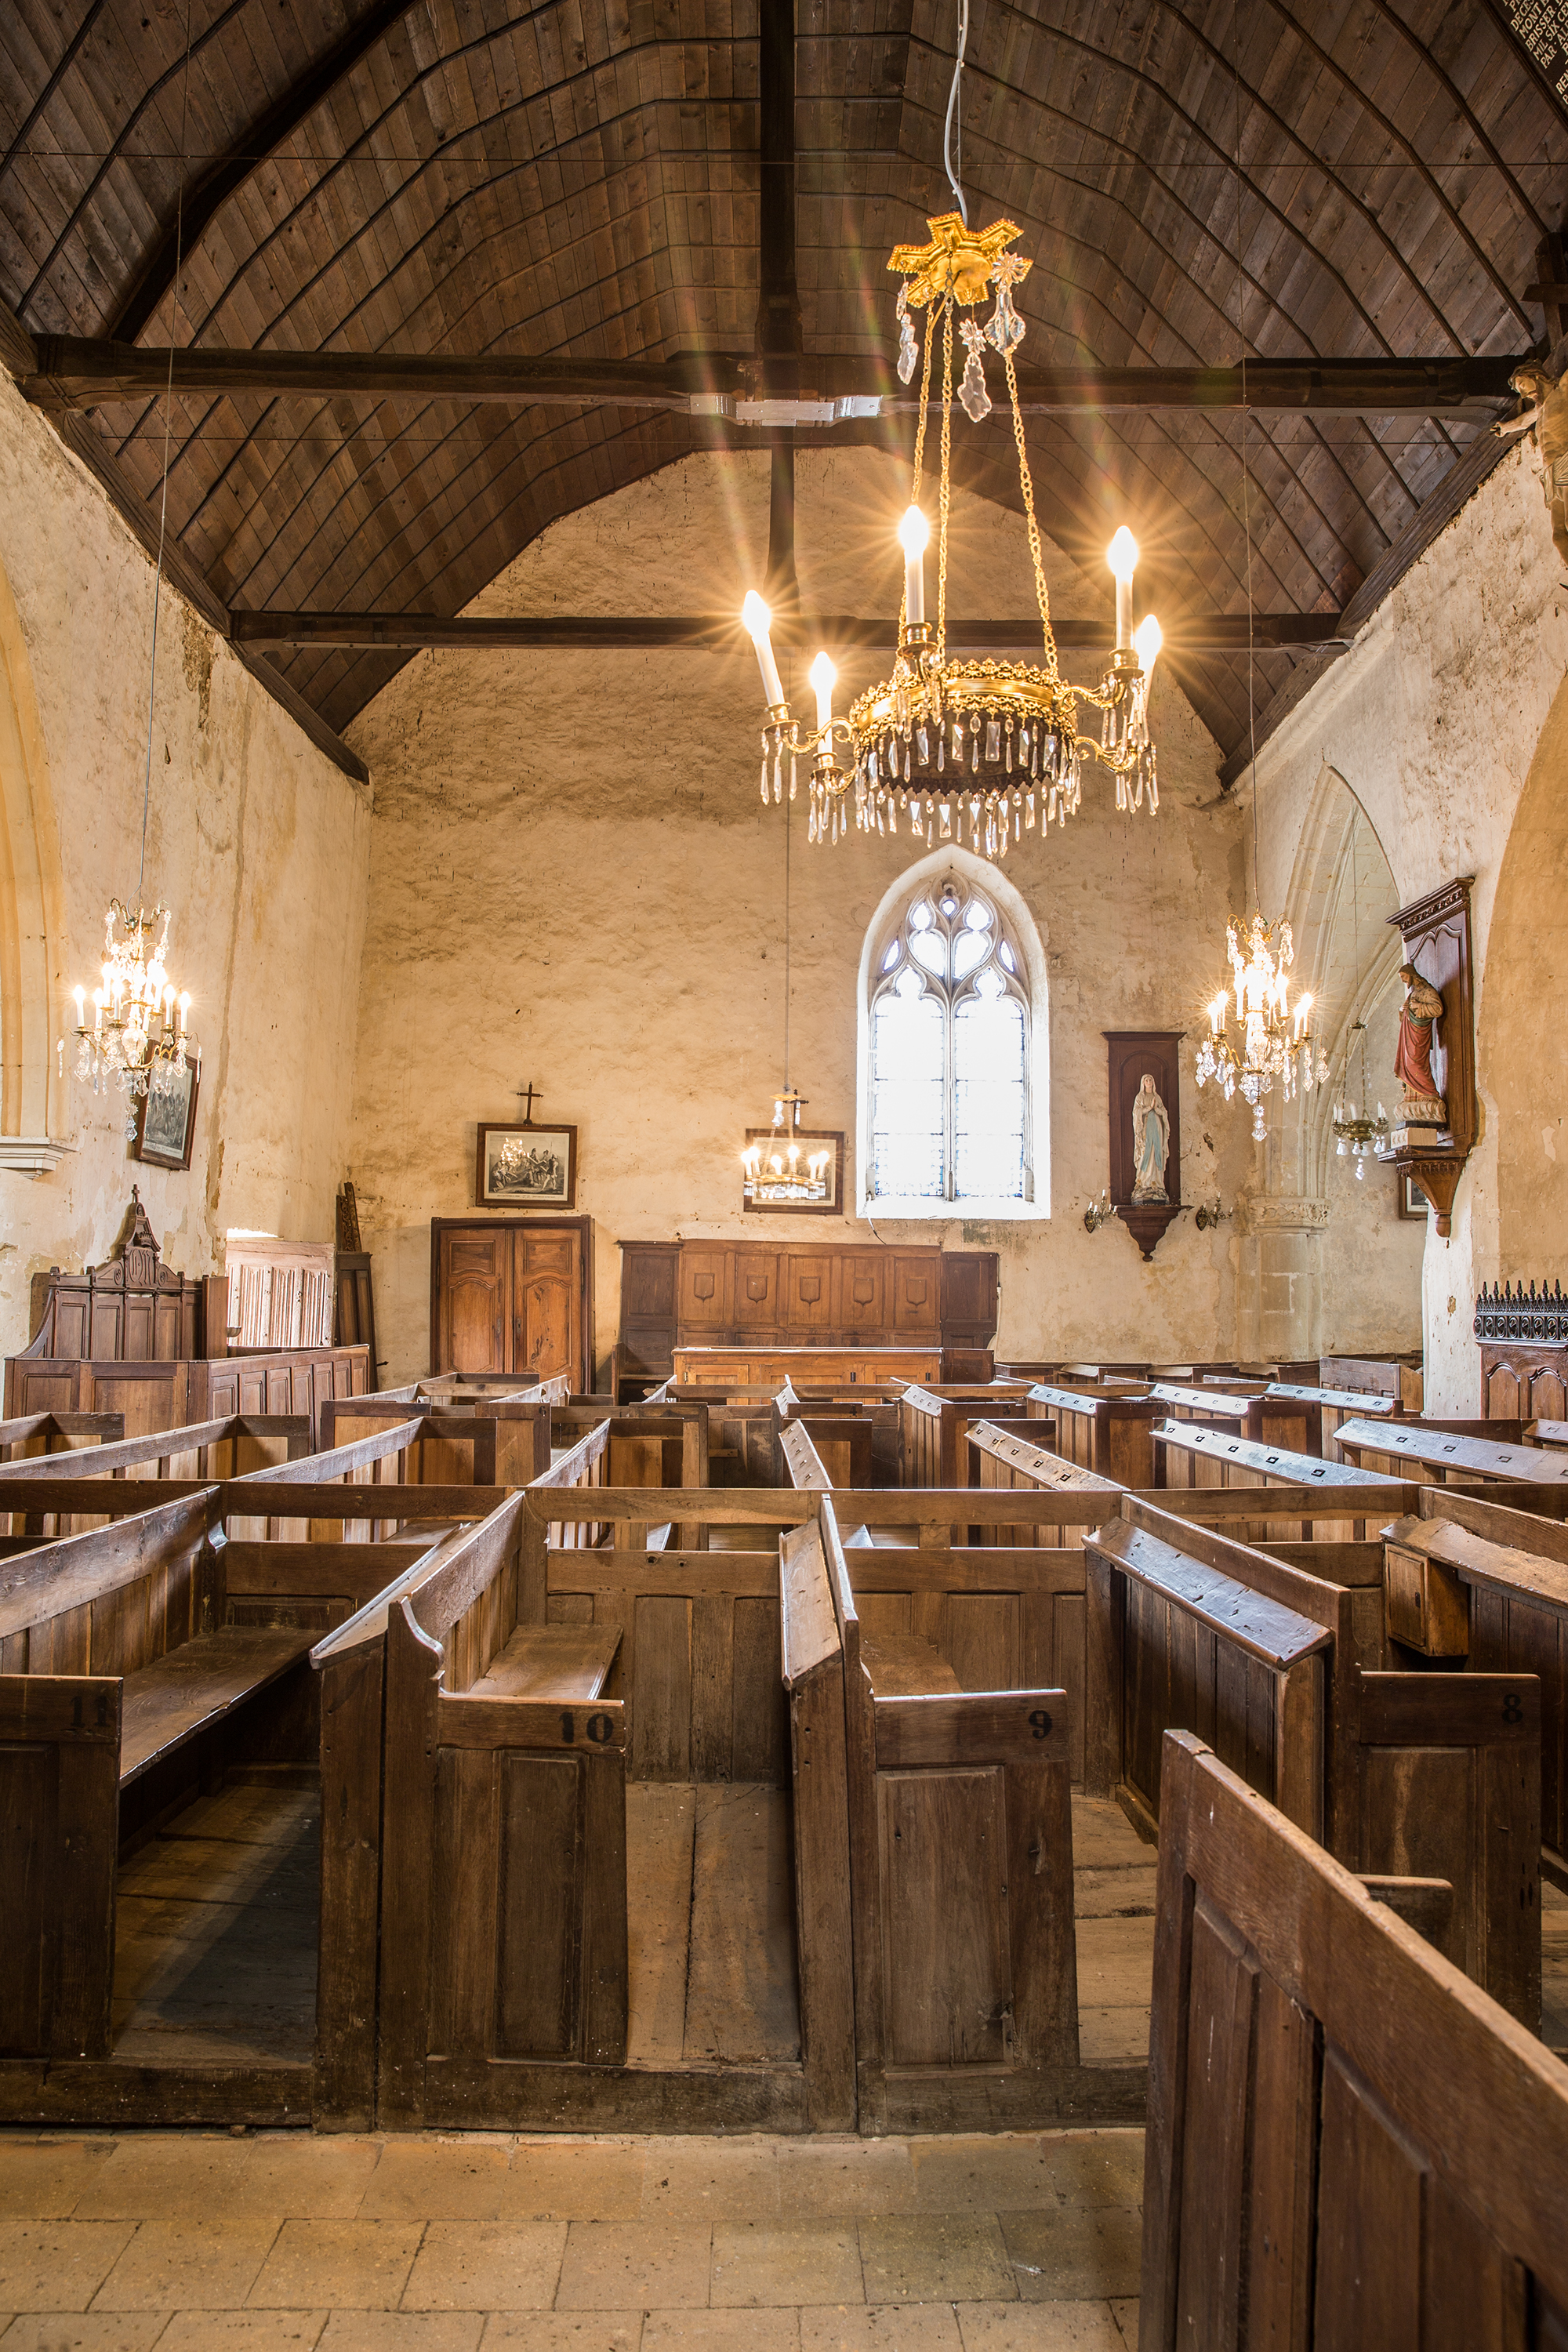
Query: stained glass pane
x=908 y=1126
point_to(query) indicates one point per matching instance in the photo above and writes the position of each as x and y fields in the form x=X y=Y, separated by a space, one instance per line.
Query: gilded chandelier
x=779 y=1173
x=134 y=1039
x=1277 y=1044
x=944 y=738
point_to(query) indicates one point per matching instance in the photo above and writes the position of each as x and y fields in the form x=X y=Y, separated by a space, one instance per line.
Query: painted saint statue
x=1422 y=1008
x=1151 y=1144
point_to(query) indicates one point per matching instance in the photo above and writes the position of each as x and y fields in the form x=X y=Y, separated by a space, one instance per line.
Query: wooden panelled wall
x=799 y=1294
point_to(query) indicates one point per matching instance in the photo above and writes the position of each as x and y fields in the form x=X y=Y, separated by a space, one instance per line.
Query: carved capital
x=1286 y=1213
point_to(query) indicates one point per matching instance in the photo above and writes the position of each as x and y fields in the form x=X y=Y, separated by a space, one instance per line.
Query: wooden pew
x=1327 y=1408
x=57 y=1432
x=1107 y=1433
x=504 y=1885
x=1348 y=2143
x=934 y=1430
x=1187 y=1456
x=1190 y=1631
x=518 y=1449
x=1003 y=1459
x=961 y=1873
x=812 y=1660
x=1268 y=1418
x=198 y=1456
x=1473 y=1579
x=1438 y=1456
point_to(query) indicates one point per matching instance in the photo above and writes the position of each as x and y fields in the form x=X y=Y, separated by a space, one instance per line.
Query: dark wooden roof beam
x=80 y=371
x=410 y=632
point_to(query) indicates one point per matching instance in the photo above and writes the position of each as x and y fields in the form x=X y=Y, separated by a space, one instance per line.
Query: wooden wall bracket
x=1437 y=935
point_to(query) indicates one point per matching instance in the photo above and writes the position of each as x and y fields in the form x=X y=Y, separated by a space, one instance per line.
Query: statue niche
x=1151 y=1145
x=1145 y=1132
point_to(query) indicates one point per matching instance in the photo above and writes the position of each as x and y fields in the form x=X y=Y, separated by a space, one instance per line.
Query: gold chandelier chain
x=919 y=459
x=1036 y=555
x=946 y=475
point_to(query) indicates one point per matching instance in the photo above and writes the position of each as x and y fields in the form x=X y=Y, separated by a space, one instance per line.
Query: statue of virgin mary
x=1151 y=1143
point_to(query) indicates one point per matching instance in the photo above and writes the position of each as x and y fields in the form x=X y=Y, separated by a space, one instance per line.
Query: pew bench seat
x=569 y=1663
x=171 y=1702
x=905 y=1665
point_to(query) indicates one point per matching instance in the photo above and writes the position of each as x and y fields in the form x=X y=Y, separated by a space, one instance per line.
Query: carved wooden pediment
x=136 y=1267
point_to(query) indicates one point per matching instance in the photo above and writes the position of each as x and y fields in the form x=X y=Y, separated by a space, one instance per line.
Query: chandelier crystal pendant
x=1277 y=1044
x=944 y=742
x=138 y=1035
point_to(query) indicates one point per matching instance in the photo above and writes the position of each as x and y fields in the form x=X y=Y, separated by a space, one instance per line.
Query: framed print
x=526 y=1168
x=1412 y=1200
x=795 y=1170
x=166 y=1123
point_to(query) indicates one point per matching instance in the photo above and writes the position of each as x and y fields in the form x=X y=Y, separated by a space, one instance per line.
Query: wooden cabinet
x=799 y=1295
x=510 y=1296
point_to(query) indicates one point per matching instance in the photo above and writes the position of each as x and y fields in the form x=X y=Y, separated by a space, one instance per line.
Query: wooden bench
x=1005 y=1461
x=1270 y=1417
x=1326 y=1409
x=1107 y=1433
x=1188 y=1457
x=812 y=1661
x=1348 y=2143
x=1438 y=1456
x=933 y=1432
x=960 y=1874
x=35 y=1434
x=1276 y=1667
x=504 y=1887
x=1472 y=1580
x=517 y=1447
x=197 y=1456
x=114 y=1660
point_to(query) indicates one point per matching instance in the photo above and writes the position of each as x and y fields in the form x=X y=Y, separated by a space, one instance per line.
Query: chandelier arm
x=1036 y=555
x=946 y=473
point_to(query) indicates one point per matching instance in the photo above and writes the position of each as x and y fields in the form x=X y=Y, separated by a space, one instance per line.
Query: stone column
x=1280 y=1289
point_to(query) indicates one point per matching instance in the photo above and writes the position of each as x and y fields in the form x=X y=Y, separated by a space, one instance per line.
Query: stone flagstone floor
x=278 y=2242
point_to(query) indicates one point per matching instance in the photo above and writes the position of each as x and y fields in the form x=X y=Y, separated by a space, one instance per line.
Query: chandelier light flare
x=1277 y=1044
x=942 y=741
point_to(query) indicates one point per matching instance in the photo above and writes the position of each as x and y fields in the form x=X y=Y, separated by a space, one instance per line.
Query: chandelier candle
x=942 y=741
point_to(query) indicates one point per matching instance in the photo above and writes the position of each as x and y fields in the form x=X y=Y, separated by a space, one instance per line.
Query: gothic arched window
x=950 y=1114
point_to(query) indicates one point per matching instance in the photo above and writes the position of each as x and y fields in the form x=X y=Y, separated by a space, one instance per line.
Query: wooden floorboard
x=1113 y=1894
x=661 y=1819
x=217 y=1928
x=743 y=2003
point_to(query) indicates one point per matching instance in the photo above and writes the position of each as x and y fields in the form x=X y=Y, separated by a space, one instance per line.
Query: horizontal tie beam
x=1196 y=632
x=71 y=371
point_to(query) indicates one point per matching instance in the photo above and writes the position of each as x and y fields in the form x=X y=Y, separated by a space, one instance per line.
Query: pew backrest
x=1108 y=1435
x=1003 y=1460
x=1411 y=1449
x=812 y=1663
x=1348 y=2142
x=1187 y=1455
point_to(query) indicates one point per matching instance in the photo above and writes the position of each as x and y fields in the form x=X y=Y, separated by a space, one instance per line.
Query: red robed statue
x=1422 y=1010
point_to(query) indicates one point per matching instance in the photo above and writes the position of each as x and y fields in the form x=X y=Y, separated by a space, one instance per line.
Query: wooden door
x=547 y=1287
x=474 y=1322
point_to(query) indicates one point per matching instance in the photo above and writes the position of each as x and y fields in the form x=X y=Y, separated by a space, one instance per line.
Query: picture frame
x=807 y=1141
x=525 y=1167
x=166 y=1123
x=1414 y=1205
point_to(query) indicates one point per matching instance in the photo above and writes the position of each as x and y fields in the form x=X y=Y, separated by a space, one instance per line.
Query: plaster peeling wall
x=572 y=882
x=1435 y=719
x=257 y=841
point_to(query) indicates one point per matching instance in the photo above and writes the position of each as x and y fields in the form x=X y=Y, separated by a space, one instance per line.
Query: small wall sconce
x=1100 y=1213
x=1210 y=1213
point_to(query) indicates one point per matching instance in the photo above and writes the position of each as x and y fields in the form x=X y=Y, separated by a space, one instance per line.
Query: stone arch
x=1521 y=1043
x=31 y=923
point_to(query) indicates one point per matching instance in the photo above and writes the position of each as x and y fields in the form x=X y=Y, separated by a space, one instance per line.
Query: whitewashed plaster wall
x=1448 y=721
x=257 y=841
x=573 y=883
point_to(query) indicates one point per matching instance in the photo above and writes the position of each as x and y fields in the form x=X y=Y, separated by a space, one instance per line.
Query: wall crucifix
x=528 y=1096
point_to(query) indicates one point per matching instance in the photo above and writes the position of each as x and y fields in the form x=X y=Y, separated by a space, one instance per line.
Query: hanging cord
x=1246 y=483
x=952 y=125
x=168 y=415
x=946 y=477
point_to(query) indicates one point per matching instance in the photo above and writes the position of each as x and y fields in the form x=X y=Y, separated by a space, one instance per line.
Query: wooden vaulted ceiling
x=581 y=178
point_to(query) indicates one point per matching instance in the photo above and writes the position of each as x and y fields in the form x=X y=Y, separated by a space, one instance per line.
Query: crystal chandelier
x=1358 y=1135
x=943 y=740
x=134 y=1040
x=1277 y=1044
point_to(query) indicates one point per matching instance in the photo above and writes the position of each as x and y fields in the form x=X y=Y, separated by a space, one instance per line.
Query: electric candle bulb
x=97 y=1011
x=914 y=537
x=185 y=1008
x=81 y=995
x=1147 y=639
x=1122 y=556
x=1216 y=1015
x=824 y=678
x=758 y=622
